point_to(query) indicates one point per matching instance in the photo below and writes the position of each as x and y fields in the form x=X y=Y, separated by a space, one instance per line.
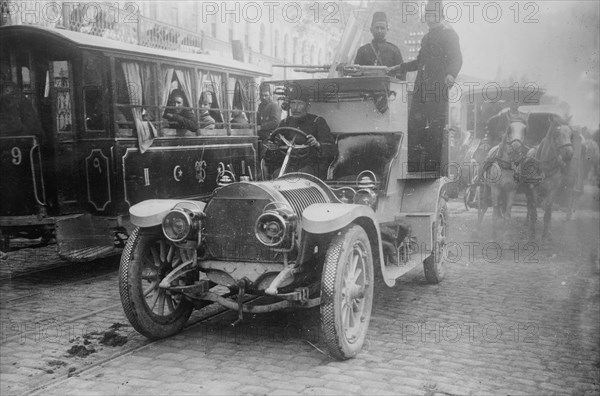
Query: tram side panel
x=119 y=176
x=22 y=190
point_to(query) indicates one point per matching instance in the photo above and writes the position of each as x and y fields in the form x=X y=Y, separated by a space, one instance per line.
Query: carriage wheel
x=470 y=195
x=347 y=292
x=481 y=190
x=152 y=311
x=466 y=197
x=434 y=265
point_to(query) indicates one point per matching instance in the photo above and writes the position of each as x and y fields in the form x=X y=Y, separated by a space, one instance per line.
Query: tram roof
x=87 y=41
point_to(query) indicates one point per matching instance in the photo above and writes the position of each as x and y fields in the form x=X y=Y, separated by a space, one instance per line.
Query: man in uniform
x=268 y=114
x=322 y=148
x=437 y=65
x=379 y=52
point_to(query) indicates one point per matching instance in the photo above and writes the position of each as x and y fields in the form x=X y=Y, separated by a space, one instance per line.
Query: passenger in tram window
x=268 y=113
x=178 y=117
x=17 y=114
x=122 y=121
x=206 y=120
x=238 y=119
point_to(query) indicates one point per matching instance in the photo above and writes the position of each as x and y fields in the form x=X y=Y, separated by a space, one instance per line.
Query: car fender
x=419 y=206
x=324 y=218
x=151 y=213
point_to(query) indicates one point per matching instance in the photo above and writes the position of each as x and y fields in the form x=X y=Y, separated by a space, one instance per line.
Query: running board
x=85 y=238
x=89 y=253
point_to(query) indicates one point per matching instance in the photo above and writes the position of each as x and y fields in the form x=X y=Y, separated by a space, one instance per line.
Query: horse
x=591 y=159
x=500 y=172
x=547 y=167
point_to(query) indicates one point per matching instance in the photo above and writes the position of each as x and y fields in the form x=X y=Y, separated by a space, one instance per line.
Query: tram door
x=60 y=91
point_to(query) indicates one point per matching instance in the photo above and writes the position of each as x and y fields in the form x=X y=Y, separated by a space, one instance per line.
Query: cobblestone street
x=510 y=318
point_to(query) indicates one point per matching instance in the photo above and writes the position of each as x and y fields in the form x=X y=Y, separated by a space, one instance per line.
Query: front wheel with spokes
x=347 y=292
x=154 y=312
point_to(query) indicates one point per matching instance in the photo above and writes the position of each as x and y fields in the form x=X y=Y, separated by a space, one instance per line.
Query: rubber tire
x=134 y=304
x=332 y=324
x=434 y=265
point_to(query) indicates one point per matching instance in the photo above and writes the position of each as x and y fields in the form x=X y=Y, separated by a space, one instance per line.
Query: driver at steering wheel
x=304 y=137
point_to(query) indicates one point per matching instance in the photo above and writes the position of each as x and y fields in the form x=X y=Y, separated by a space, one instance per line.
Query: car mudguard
x=419 y=205
x=324 y=218
x=151 y=212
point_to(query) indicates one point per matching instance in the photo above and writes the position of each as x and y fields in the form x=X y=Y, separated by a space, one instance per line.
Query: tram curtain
x=239 y=96
x=185 y=84
x=146 y=132
x=212 y=82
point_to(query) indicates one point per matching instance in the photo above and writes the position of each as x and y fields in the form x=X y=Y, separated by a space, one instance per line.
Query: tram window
x=94 y=109
x=26 y=78
x=136 y=98
x=240 y=101
x=210 y=84
x=178 y=81
x=62 y=95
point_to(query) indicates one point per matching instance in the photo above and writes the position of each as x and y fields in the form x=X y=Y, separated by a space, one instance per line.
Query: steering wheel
x=287 y=144
x=291 y=150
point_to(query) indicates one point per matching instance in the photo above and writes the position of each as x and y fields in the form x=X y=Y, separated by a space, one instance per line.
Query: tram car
x=298 y=240
x=88 y=130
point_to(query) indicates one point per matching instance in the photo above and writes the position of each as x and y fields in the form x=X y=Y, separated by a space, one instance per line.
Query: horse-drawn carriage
x=540 y=155
x=485 y=115
x=297 y=239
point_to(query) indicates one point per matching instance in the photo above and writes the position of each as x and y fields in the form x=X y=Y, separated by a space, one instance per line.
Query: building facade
x=260 y=33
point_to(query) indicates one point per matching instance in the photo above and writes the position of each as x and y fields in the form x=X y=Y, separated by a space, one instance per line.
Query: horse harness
x=514 y=164
x=547 y=168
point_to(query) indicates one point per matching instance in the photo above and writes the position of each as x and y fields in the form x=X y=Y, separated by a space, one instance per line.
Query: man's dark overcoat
x=439 y=55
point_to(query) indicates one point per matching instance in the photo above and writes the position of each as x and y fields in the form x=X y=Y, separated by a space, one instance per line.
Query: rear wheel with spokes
x=434 y=265
x=148 y=257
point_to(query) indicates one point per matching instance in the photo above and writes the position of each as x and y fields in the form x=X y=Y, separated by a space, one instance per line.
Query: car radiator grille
x=301 y=198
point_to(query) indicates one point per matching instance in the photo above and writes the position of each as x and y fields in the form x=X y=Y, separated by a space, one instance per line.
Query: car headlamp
x=180 y=224
x=365 y=197
x=275 y=226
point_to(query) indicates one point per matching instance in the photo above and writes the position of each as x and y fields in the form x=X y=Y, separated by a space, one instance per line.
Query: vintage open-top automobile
x=305 y=241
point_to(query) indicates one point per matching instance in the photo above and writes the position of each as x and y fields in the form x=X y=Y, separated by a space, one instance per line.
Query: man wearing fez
x=379 y=52
x=321 y=144
x=268 y=113
x=437 y=65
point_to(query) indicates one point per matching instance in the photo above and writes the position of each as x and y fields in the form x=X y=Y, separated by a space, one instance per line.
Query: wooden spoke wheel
x=347 y=292
x=154 y=312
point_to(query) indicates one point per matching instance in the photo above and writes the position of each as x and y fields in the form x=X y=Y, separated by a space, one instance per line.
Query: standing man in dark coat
x=437 y=65
x=379 y=52
x=268 y=115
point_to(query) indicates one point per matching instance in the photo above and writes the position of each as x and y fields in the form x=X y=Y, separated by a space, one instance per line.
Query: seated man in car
x=321 y=149
x=180 y=118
